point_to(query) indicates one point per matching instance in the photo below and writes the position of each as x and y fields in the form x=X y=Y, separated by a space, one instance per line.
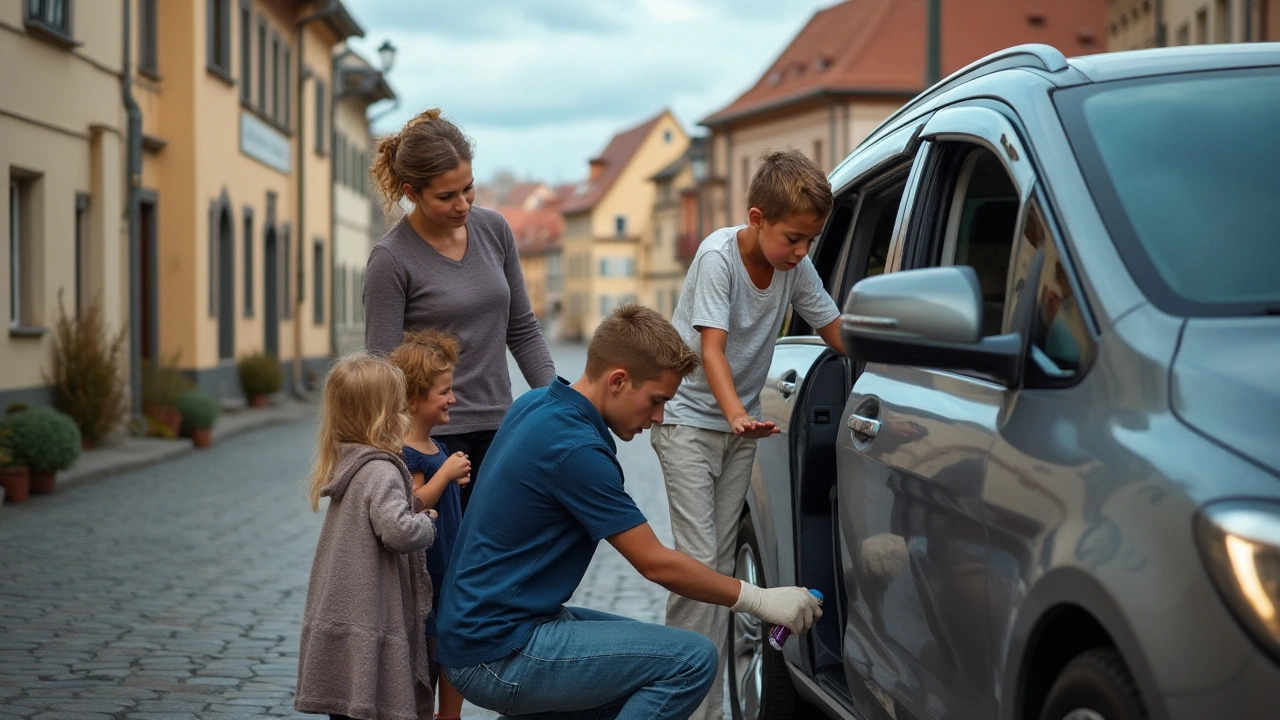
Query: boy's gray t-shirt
x=719 y=293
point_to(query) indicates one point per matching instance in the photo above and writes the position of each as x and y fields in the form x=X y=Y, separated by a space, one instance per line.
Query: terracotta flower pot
x=202 y=437
x=42 y=482
x=16 y=482
x=258 y=401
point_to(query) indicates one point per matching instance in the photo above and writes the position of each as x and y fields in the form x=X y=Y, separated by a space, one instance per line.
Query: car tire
x=760 y=686
x=1095 y=685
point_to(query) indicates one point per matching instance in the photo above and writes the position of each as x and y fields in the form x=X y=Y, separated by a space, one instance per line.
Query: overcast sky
x=541 y=85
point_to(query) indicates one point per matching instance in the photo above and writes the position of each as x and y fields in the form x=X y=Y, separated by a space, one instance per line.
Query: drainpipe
x=133 y=170
x=1248 y=20
x=335 y=94
x=933 y=56
x=328 y=10
x=1162 y=33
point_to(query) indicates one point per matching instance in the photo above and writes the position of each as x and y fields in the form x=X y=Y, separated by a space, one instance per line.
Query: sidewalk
x=136 y=452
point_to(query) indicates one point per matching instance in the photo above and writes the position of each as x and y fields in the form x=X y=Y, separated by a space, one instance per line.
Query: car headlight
x=1240 y=543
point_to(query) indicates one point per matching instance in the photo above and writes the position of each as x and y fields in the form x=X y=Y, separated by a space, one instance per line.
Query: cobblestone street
x=175 y=592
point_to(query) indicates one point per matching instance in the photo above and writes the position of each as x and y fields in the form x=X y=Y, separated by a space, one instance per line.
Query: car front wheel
x=759 y=685
x=1095 y=685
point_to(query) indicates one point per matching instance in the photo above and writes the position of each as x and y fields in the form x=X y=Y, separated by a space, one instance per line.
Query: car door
x=913 y=448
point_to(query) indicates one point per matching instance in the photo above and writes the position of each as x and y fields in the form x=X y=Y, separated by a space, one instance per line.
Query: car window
x=1060 y=339
x=980 y=219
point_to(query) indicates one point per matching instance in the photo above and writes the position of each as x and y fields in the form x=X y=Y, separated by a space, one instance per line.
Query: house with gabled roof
x=606 y=217
x=854 y=63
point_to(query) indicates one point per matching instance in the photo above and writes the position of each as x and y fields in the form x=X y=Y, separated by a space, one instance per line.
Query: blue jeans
x=589 y=665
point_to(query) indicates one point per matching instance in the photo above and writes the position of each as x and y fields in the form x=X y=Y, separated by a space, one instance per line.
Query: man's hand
x=457 y=468
x=746 y=427
x=792 y=607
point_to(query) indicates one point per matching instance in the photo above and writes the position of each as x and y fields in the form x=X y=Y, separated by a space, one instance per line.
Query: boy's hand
x=458 y=468
x=753 y=429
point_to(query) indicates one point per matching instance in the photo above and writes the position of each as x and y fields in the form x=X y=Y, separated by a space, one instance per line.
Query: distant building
x=674 y=232
x=606 y=217
x=1135 y=24
x=853 y=64
x=537 y=232
x=357 y=223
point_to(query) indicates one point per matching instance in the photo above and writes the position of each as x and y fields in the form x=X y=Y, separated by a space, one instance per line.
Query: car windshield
x=1184 y=170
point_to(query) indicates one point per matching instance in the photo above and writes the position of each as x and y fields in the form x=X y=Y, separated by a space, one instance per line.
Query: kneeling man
x=552 y=490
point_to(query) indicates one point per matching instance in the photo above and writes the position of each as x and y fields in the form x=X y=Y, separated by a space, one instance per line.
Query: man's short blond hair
x=788 y=183
x=640 y=341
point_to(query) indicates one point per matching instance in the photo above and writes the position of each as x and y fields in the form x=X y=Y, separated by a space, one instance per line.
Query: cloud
x=545 y=84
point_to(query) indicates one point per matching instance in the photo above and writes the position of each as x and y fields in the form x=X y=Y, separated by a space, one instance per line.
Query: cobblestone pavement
x=175 y=592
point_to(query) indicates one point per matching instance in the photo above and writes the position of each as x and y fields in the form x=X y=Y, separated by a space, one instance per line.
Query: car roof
x=1105 y=67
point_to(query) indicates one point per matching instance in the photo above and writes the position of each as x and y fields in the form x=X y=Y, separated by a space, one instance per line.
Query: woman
x=450 y=266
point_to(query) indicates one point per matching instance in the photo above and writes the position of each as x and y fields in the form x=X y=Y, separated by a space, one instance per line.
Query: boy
x=553 y=490
x=740 y=285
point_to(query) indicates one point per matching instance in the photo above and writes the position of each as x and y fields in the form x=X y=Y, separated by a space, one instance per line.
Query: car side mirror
x=930 y=317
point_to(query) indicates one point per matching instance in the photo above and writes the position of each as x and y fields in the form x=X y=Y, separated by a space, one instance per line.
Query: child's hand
x=753 y=429
x=458 y=468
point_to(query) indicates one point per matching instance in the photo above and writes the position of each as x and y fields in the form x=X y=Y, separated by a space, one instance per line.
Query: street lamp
x=387 y=54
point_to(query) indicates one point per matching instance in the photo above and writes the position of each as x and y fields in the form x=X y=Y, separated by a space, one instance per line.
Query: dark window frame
x=275 y=76
x=246 y=53
x=262 y=64
x=248 y=255
x=286 y=77
x=83 y=203
x=148 y=39
x=218 y=39
x=39 y=16
x=320 y=119
x=286 y=266
x=318 y=273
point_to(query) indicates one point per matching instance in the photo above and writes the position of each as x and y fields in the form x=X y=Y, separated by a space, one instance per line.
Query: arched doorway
x=271 y=294
x=226 y=286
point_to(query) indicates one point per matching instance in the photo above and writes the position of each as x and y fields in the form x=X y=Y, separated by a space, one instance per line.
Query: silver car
x=1045 y=480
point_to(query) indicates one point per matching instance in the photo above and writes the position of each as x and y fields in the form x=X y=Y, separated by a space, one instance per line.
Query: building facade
x=357 y=224
x=607 y=216
x=1135 y=24
x=857 y=62
x=236 y=198
x=63 y=150
x=663 y=255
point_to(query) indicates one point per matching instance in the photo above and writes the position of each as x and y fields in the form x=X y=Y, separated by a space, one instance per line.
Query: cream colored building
x=1135 y=24
x=607 y=217
x=664 y=257
x=357 y=223
x=236 y=184
x=62 y=140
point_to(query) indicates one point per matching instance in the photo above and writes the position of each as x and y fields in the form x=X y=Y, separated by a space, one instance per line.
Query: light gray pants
x=707 y=473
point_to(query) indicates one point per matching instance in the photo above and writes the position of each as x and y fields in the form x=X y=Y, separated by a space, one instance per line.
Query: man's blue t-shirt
x=552 y=490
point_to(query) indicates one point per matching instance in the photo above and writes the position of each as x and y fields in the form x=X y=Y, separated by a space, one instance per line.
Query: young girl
x=427 y=359
x=361 y=654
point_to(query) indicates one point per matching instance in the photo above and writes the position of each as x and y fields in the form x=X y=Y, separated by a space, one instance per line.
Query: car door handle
x=787 y=383
x=865 y=426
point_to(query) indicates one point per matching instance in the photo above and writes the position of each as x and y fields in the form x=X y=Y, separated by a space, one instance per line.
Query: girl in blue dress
x=427 y=358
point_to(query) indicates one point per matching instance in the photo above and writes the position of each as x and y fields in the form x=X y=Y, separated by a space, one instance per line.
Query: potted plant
x=14 y=478
x=162 y=383
x=44 y=440
x=87 y=371
x=199 y=412
x=260 y=376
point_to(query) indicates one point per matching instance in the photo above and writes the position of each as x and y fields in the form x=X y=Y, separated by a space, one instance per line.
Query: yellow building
x=664 y=256
x=358 y=221
x=236 y=197
x=62 y=138
x=1135 y=24
x=607 y=216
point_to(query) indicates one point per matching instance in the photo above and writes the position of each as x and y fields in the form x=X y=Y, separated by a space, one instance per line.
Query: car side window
x=975 y=210
x=1061 y=343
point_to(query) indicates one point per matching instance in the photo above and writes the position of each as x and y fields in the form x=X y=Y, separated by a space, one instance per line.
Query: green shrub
x=6 y=455
x=87 y=372
x=43 y=439
x=260 y=374
x=16 y=408
x=162 y=383
x=199 y=411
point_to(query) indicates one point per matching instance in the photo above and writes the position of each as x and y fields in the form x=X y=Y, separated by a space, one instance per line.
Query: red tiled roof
x=878 y=46
x=536 y=231
x=520 y=192
x=614 y=159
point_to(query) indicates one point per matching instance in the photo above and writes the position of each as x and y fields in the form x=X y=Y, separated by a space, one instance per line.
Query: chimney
x=597 y=167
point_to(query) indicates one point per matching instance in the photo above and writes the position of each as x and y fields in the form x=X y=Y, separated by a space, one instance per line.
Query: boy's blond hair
x=641 y=342
x=422 y=356
x=364 y=403
x=788 y=183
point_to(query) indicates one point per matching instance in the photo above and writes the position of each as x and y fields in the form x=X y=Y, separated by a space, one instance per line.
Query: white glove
x=792 y=607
